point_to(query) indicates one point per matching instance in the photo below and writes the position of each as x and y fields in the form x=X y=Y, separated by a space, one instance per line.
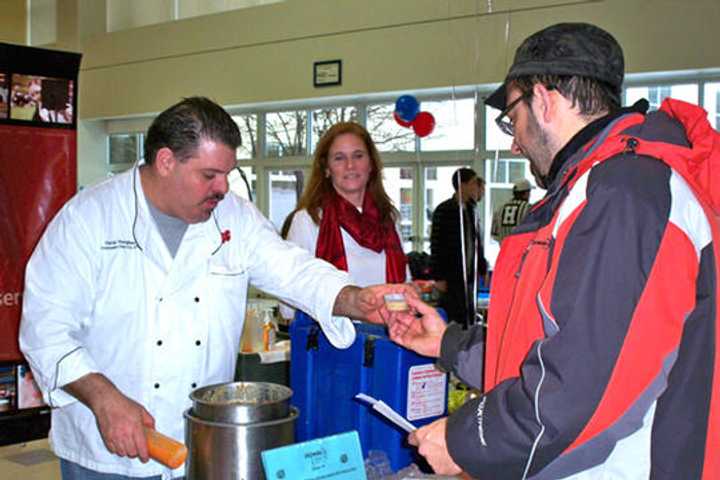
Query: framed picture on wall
x=327 y=73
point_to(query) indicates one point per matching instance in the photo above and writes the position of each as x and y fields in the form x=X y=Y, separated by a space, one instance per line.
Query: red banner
x=38 y=174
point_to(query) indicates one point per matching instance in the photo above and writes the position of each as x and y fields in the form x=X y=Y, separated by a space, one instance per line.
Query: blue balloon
x=407 y=107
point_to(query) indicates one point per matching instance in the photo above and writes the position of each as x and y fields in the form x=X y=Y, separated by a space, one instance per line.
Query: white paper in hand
x=387 y=412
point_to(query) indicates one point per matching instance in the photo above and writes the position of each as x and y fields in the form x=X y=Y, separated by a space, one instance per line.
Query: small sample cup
x=395 y=302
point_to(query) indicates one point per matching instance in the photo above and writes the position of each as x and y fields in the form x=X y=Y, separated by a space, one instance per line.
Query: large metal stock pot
x=231 y=423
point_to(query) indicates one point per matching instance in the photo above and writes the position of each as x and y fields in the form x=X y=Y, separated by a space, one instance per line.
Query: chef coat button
x=157 y=385
x=197 y=342
x=197 y=299
x=160 y=299
x=194 y=385
x=159 y=343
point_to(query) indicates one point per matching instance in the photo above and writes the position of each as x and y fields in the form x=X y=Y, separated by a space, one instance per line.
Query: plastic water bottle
x=377 y=465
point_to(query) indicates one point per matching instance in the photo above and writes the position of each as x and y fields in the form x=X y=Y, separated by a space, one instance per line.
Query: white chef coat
x=103 y=294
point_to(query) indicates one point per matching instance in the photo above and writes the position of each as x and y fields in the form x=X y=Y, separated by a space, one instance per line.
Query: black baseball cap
x=576 y=49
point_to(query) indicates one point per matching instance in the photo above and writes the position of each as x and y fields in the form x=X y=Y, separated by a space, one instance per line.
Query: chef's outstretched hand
x=370 y=303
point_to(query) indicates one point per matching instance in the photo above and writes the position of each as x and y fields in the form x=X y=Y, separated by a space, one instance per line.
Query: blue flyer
x=337 y=457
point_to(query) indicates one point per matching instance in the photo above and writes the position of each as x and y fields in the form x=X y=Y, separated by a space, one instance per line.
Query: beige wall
x=13 y=23
x=266 y=53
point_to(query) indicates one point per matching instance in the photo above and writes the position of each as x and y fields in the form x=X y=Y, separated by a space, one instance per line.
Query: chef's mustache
x=217 y=197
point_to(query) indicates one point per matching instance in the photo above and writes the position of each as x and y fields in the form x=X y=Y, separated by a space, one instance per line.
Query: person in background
x=344 y=215
x=511 y=213
x=446 y=241
x=135 y=295
x=601 y=356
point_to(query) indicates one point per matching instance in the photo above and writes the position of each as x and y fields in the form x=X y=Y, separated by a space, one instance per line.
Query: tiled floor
x=29 y=461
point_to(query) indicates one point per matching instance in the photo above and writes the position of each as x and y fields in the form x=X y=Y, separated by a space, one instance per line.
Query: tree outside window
x=248 y=133
x=324 y=118
x=285 y=133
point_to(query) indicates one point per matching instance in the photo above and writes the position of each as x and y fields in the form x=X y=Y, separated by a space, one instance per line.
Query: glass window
x=508 y=170
x=495 y=139
x=406 y=203
x=517 y=169
x=285 y=189
x=124 y=148
x=501 y=176
x=656 y=94
x=400 y=192
x=385 y=132
x=285 y=133
x=429 y=196
x=438 y=188
x=237 y=183
x=324 y=118
x=248 y=131
x=454 y=125
x=712 y=103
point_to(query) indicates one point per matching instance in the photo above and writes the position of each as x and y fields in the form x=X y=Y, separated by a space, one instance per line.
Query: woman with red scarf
x=344 y=214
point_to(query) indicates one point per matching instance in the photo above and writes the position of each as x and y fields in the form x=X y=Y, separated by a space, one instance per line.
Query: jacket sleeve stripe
x=653 y=335
x=688 y=215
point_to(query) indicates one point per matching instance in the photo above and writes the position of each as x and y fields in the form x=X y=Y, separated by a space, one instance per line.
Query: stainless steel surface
x=225 y=451
x=241 y=402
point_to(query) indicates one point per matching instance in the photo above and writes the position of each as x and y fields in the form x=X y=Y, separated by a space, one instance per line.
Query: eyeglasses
x=505 y=125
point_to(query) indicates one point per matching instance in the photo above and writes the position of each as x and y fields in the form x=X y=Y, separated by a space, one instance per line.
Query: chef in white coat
x=136 y=293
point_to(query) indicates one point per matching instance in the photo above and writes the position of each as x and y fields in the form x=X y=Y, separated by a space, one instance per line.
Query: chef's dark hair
x=182 y=126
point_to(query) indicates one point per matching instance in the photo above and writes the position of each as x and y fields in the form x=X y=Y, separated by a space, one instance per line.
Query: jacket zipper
x=550 y=243
x=546 y=243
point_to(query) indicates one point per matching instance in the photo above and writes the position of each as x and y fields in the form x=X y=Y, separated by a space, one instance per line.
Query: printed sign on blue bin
x=337 y=457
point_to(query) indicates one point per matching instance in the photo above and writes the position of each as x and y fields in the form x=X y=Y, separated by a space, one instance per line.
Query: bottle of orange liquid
x=269 y=332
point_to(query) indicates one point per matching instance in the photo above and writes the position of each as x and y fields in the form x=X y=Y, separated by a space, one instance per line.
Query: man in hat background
x=601 y=355
x=511 y=213
x=453 y=272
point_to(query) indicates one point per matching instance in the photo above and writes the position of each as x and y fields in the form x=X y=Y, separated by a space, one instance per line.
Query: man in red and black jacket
x=601 y=356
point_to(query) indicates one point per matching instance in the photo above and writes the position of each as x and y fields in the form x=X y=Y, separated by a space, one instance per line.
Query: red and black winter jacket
x=601 y=357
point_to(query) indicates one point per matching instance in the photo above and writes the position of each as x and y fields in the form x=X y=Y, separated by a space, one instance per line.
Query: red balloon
x=400 y=121
x=424 y=124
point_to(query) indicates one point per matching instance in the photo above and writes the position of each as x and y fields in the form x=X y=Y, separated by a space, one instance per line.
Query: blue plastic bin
x=325 y=381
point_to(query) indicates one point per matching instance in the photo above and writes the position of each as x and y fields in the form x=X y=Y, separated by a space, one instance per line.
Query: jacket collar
x=572 y=152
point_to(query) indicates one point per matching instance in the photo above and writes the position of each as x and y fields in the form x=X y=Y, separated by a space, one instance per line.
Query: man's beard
x=539 y=151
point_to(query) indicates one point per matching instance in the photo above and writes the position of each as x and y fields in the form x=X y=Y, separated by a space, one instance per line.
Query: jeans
x=73 y=471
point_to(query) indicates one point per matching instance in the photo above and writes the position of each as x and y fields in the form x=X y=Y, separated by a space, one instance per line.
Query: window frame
x=478 y=157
